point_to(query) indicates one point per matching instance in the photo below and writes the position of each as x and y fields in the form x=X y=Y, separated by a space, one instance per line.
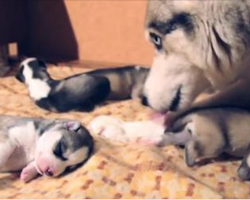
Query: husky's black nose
x=144 y=101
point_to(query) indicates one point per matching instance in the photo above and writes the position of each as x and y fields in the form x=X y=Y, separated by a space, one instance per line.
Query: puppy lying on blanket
x=211 y=132
x=204 y=133
x=81 y=92
x=47 y=147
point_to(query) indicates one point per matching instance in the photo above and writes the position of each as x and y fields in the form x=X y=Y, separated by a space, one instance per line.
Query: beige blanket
x=118 y=170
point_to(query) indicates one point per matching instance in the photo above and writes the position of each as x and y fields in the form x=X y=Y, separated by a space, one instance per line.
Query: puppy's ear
x=19 y=75
x=42 y=64
x=72 y=125
x=244 y=169
x=191 y=153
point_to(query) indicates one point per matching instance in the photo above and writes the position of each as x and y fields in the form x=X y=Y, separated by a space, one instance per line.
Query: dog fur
x=81 y=92
x=125 y=82
x=211 y=132
x=143 y=132
x=212 y=38
x=42 y=146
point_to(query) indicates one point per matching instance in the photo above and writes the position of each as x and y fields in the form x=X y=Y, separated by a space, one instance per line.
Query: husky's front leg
x=29 y=172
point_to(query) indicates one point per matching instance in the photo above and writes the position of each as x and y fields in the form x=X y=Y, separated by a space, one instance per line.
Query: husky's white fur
x=212 y=38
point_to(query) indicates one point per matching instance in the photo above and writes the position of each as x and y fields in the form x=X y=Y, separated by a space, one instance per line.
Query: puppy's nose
x=48 y=172
x=144 y=101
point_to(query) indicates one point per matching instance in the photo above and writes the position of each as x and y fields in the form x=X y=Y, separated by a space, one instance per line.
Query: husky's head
x=172 y=87
x=62 y=145
x=197 y=45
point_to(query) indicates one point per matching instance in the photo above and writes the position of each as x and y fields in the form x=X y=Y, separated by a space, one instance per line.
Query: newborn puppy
x=210 y=132
x=145 y=132
x=81 y=92
x=126 y=82
x=39 y=146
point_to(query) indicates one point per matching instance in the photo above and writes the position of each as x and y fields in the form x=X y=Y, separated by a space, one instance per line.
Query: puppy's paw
x=28 y=173
x=152 y=141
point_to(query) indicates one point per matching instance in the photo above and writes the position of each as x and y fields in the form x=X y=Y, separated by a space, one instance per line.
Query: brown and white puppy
x=198 y=44
x=212 y=132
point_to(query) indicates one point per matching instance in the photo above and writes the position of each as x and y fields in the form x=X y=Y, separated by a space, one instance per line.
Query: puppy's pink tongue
x=156 y=115
x=158 y=118
x=165 y=119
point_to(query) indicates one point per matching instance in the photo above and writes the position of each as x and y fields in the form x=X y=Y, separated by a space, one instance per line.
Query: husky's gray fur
x=199 y=44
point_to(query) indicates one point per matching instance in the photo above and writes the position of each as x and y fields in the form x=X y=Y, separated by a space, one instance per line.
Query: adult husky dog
x=199 y=44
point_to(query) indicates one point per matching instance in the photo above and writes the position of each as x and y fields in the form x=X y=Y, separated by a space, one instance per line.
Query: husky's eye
x=157 y=40
x=60 y=149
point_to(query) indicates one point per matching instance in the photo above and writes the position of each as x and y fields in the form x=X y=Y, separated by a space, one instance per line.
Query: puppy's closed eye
x=60 y=149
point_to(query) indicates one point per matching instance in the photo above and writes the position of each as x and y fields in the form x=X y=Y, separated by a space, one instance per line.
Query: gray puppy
x=39 y=146
x=209 y=132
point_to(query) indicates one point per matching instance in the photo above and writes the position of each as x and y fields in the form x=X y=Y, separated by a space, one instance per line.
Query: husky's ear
x=19 y=75
x=72 y=125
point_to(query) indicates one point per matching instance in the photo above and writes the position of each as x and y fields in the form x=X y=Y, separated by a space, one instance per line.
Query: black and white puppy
x=41 y=146
x=81 y=92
